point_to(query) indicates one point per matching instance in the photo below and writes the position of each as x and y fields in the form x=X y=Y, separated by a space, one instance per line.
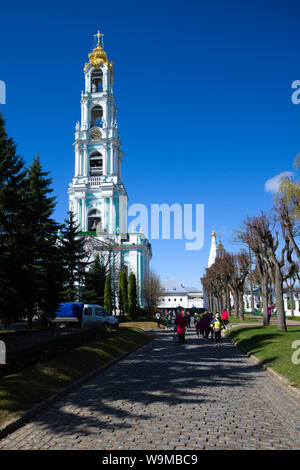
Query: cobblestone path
x=167 y=396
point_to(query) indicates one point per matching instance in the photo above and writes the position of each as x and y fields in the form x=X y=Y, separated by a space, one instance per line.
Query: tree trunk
x=241 y=304
x=251 y=280
x=220 y=304
x=291 y=300
x=214 y=309
x=209 y=298
x=236 y=304
x=263 y=282
x=264 y=296
x=278 y=286
x=228 y=306
x=293 y=243
x=269 y=294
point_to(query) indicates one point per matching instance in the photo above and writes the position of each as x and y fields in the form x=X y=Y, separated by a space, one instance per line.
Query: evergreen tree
x=94 y=283
x=45 y=264
x=132 y=297
x=74 y=255
x=123 y=293
x=108 y=295
x=13 y=240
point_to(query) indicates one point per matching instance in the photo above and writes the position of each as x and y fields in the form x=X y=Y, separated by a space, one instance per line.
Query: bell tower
x=97 y=195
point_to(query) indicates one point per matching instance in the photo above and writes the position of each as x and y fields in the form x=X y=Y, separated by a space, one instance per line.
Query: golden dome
x=98 y=56
x=220 y=246
x=214 y=234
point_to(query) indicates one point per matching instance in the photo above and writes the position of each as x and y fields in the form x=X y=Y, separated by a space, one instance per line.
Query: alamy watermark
x=2 y=353
x=296 y=354
x=188 y=222
x=2 y=92
x=296 y=94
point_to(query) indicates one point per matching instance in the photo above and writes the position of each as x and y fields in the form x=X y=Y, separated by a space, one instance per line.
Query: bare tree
x=261 y=228
x=214 y=285
x=239 y=271
x=250 y=237
x=290 y=283
x=109 y=255
x=152 y=291
x=207 y=287
x=228 y=271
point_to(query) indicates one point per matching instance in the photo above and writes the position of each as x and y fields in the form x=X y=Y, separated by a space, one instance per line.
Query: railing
x=95 y=180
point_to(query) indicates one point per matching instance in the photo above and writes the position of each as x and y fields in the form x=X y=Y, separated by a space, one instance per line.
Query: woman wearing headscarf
x=180 y=323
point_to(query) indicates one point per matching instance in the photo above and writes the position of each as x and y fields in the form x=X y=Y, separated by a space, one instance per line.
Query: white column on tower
x=105 y=80
x=76 y=204
x=82 y=115
x=77 y=156
x=121 y=216
x=84 y=214
x=85 y=115
x=85 y=161
x=111 y=214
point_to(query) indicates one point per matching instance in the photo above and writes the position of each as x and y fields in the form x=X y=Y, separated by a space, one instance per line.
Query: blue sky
x=203 y=90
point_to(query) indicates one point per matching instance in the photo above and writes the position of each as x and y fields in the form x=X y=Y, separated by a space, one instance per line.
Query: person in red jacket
x=225 y=317
x=180 y=323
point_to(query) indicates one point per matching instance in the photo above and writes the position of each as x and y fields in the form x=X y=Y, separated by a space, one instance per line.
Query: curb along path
x=167 y=396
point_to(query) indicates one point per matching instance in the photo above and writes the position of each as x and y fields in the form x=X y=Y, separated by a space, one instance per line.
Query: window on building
x=97 y=81
x=96 y=164
x=94 y=221
x=96 y=116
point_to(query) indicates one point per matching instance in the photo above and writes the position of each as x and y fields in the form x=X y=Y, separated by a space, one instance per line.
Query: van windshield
x=99 y=312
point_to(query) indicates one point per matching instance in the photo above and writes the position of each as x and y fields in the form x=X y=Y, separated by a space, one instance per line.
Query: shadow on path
x=153 y=380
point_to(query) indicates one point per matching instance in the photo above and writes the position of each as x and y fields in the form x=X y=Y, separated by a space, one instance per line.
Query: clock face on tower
x=95 y=134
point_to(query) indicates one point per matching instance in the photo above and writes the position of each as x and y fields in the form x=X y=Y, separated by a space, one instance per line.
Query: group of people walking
x=206 y=324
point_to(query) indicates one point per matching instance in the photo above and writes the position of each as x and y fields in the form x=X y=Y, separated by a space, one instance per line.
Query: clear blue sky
x=203 y=90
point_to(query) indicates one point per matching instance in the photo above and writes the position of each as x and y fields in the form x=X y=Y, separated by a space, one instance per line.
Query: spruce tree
x=94 y=283
x=132 y=297
x=13 y=240
x=74 y=255
x=45 y=266
x=108 y=295
x=123 y=293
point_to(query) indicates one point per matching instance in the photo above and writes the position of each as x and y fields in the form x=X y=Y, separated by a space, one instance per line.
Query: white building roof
x=171 y=286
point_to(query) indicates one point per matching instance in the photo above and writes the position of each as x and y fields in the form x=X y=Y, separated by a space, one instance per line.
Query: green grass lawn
x=272 y=347
x=20 y=391
x=143 y=324
x=250 y=319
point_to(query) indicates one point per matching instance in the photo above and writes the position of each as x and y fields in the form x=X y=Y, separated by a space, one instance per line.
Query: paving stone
x=170 y=396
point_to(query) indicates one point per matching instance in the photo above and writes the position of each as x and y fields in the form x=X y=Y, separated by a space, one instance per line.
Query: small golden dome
x=220 y=246
x=98 y=56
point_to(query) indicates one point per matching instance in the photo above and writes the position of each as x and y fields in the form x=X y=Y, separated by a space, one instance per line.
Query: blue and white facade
x=97 y=195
